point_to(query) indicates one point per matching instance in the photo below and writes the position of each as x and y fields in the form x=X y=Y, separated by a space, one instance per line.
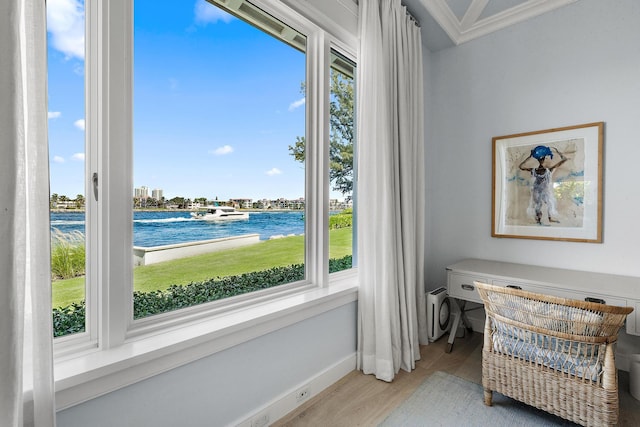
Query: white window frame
x=116 y=351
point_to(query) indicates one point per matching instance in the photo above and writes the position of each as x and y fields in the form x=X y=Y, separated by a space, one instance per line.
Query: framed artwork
x=548 y=184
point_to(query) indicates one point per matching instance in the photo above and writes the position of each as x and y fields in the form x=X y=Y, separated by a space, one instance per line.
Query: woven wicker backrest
x=561 y=317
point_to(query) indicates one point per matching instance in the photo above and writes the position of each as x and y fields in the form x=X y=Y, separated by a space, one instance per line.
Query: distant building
x=297 y=204
x=279 y=204
x=241 y=203
x=156 y=193
x=262 y=204
x=141 y=192
x=65 y=204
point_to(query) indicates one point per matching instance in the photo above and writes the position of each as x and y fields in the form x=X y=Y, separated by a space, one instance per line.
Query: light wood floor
x=361 y=400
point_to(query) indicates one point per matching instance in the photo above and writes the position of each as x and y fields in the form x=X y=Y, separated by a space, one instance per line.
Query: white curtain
x=391 y=191
x=26 y=362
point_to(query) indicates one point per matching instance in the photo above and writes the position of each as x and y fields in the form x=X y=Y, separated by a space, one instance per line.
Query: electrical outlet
x=260 y=421
x=302 y=394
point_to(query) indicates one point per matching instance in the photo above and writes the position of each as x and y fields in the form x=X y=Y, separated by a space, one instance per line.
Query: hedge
x=341 y=220
x=70 y=319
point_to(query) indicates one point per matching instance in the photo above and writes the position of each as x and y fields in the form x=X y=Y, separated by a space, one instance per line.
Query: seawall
x=155 y=254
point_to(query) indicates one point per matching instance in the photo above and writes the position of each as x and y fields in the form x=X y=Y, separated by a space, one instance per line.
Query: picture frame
x=547 y=184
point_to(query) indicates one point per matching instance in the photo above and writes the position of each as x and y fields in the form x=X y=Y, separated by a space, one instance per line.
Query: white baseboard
x=288 y=401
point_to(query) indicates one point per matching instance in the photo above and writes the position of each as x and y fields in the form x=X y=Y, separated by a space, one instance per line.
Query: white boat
x=219 y=213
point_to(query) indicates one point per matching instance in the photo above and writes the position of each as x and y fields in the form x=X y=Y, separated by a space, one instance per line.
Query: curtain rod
x=413 y=18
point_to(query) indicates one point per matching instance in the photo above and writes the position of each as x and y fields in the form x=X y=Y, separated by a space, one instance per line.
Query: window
x=66 y=55
x=216 y=102
x=341 y=157
x=195 y=193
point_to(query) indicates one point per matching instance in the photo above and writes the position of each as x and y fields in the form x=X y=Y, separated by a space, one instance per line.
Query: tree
x=201 y=200
x=80 y=201
x=53 y=201
x=340 y=135
x=179 y=201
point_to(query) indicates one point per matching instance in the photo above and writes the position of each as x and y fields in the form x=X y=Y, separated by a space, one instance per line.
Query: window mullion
x=317 y=242
x=113 y=123
x=93 y=110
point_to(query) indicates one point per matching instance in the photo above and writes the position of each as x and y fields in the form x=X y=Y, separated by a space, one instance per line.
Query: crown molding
x=472 y=14
x=444 y=16
x=471 y=28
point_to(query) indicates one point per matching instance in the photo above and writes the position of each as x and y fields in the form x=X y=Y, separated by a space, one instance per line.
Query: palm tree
x=53 y=201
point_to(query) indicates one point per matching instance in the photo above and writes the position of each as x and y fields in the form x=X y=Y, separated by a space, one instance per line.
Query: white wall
x=578 y=64
x=227 y=386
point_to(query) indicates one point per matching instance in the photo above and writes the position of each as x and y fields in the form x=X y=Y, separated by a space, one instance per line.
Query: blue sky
x=216 y=103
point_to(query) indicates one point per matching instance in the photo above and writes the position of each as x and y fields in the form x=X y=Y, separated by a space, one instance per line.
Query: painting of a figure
x=548 y=184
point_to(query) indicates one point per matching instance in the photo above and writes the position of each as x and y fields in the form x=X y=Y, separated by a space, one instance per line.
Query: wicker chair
x=555 y=354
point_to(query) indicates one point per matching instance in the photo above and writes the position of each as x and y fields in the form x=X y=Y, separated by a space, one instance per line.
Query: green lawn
x=261 y=256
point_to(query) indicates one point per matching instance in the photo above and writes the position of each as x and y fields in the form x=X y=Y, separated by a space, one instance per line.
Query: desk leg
x=458 y=315
x=452 y=331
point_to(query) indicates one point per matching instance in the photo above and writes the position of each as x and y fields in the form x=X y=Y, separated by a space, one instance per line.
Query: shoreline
x=179 y=210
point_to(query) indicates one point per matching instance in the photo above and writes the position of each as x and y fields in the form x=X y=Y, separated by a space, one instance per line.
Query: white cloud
x=221 y=151
x=58 y=159
x=274 y=171
x=79 y=124
x=296 y=104
x=78 y=156
x=54 y=114
x=65 y=23
x=206 y=13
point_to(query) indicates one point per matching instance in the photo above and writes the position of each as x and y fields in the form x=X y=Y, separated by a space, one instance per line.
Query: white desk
x=605 y=288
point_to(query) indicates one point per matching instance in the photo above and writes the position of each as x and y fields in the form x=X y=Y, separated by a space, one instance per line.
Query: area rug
x=446 y=400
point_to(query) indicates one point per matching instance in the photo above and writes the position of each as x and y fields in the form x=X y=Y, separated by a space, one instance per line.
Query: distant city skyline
x=216 y=103
x=142 y=199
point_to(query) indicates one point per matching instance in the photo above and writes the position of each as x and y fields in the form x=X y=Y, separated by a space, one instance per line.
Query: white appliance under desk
x=598 y=287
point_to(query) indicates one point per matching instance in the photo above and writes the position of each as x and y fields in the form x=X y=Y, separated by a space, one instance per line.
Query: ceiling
x=447 y=23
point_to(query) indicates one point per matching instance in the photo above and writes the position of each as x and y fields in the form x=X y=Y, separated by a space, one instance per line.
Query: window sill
x=92 y=374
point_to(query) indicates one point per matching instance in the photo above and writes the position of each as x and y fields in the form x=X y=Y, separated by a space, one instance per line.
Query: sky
x=216 y=103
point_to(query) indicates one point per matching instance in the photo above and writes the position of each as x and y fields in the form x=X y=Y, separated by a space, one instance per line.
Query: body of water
x=168 y=227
